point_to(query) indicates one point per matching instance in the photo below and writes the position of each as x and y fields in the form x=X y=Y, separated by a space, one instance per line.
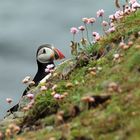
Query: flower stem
x=87 y=33
x=73 y=37
x=82 y=34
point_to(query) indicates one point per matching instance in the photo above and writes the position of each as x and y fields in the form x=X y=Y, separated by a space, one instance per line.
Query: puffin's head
x=47 y=53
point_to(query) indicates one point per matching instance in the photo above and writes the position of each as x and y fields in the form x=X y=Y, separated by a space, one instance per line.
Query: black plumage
x=41 y=68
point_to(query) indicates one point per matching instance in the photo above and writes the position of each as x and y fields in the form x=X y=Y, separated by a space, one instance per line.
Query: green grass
x=118 y=118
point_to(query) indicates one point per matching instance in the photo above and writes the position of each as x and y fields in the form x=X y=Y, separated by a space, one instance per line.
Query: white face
x=45 y=54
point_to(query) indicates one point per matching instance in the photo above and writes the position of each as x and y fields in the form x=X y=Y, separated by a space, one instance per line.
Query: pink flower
x=97 y=38
x=127 y=9
x=132 y=1
x=95 y=34
x=104 y=23
x=57 y=96
x=74 y=30
x=112 y=24
x=47 y=70
x=91 y=20
x=30 y=96
x=9 y=100
x=135 y=5
x=111 y=30
x=112 y=17
x=122 y=44
x=81 y=28
x=118 y=14
x=51 y=66
x=85 y=20
x=100 y=13
x=43 y=88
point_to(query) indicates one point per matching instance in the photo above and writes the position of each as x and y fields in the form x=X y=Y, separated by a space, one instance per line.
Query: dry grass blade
x=117 y=3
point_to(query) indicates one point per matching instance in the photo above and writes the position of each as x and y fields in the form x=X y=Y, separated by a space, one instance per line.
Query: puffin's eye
x=44 y=51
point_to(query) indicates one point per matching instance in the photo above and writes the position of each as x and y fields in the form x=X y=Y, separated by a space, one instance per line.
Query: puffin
x=45 y=56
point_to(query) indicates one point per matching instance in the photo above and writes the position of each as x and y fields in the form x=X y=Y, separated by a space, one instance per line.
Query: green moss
x=48 y=121
x=134 y=61
x=118 y=118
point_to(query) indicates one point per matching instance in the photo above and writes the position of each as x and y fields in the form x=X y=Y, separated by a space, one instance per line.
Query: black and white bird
x=45 y=56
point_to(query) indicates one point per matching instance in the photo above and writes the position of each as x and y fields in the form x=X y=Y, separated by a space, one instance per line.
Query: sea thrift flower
x=118 y=14
x=112 y=17
x=91 y=20
x=30 y=96
x=74 y=30
x=81 y=28
x=127 y=9
x=112 y=24
x=26 y=79
x=57 y=96
x=43 y=88
x=95 y=34
x=132 y=1
x=47 y=70
x=100 y=13
x=135 y=5
x=111 y=30
x=104 y=23
x=97 y=38
x=9 y=100
x=85 y=20
x=51 y=66
x=122 y=44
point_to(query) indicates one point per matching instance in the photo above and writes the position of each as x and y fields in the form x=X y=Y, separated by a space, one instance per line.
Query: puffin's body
x=45 y=56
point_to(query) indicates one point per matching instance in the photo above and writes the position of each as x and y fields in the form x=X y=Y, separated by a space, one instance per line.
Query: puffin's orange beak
x=58 y=54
